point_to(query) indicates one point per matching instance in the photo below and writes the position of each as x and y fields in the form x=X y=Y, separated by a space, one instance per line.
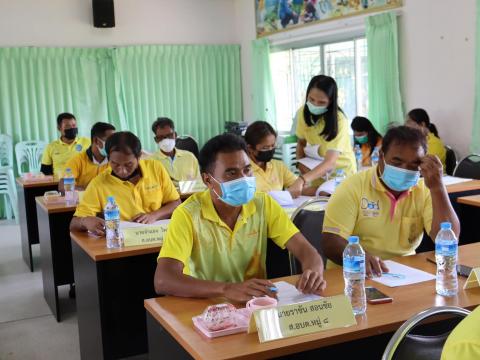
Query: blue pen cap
x=353 y=240
x=446 y=226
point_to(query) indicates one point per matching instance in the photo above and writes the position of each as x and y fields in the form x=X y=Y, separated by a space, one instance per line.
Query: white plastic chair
x=29 y=153
x=7 y=179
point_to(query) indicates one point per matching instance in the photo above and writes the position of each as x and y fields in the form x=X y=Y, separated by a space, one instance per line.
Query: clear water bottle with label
x=358 y=156
x=339 y=177
x=69 y=186
x=446 y=253
x=354 y=275
x=113 y=234
x=375 y=156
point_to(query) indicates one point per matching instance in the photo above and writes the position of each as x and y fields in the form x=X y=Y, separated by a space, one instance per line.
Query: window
x=292 y=70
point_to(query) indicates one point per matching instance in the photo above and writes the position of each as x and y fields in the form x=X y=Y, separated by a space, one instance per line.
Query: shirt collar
x=209 y=212
x=257 y=168
x=178 y=153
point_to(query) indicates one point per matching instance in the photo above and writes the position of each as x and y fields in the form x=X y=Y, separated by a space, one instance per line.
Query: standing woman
x=321 y=122
x=418 y=118
x=367 y=137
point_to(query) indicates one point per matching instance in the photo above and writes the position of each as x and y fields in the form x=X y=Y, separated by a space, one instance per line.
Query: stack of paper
x=450 y=180
x=288 y=294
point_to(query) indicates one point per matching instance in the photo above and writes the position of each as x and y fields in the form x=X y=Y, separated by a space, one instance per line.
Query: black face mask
x=265 y=156
x=71 y=133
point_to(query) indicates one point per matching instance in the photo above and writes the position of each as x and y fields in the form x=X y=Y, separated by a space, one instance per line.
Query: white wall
x=436 y=62
x=70 y=23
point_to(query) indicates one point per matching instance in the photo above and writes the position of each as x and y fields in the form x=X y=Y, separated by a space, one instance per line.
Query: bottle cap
x=446 y=226
x=353 y=240
x=111 y=199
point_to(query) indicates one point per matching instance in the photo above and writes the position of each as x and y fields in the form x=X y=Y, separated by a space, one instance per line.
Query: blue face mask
x=316 y=110
x=102 y=151
x=399 y=179
x=237 y=192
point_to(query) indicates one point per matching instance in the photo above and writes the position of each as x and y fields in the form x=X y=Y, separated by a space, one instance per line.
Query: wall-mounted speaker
x=103 y=13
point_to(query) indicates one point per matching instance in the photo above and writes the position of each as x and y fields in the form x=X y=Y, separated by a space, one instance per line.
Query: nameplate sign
x=304 y=318
x=473 y=279
x=147 y=235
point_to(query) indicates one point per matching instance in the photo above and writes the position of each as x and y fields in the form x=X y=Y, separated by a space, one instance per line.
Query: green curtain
x=198 y=86
x=384 y=98
x=262 y=85
x=475 y=144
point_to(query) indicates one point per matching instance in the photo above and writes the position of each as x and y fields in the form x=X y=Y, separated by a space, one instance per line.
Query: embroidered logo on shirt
x=370 y=208
x=78 y=147
x=150 y=187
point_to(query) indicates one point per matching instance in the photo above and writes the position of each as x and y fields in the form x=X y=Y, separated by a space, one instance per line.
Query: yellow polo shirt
x=84 y=169
x=341 y=143
x=210 y=250
x=152 y=191
x=57 y=153
x=436 y=147
x=183 y=167
x=275 y=177
x=463 y=343
x=387 y=227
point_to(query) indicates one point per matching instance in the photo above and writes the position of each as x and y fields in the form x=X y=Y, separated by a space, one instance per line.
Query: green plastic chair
x=29 y=155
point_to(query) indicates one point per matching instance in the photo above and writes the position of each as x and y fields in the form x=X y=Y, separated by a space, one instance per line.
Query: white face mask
x=167 y=145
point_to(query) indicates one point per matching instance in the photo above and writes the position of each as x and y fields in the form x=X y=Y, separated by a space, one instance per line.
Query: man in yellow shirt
x=463 y=343
x=89 y=163
x=142 y=188
x=389 y=206
x=216 y=242
x=181 y=165
x=58 y=152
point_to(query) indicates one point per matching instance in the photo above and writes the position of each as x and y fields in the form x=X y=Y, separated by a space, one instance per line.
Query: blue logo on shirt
x=78 y=147
x=370 y=205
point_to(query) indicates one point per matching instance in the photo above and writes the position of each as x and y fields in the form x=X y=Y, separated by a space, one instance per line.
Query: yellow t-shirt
x=387 y=227
x=152 y=191
x=183 y=167
x=84 y=169
x=463 y=343
x=436 y=147
x=210 y=250
x=275 y=177
x=341 y=143
x=57 y=153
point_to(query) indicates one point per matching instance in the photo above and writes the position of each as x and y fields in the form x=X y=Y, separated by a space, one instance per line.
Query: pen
x=396 y=276
x=272 y=288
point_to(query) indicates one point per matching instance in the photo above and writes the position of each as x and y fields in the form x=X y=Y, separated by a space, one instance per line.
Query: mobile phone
x=375 y=296
x=463 y=270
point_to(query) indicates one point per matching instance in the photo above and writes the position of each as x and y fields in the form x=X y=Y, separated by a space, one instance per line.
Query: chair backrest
x=406 y=346
x=187 y=142
x=450 y=161
x=6 y=151
x=308 y=218
x=29 y=154
x=468 y=167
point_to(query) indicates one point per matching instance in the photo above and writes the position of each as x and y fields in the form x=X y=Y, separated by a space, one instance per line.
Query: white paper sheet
x=298 y=201
x=311 y=151
x=284 y=198
x=309 y=162
x=131 y=224
x=288 y=294
x=450 y=180
x=327 y=187
x=410 y=275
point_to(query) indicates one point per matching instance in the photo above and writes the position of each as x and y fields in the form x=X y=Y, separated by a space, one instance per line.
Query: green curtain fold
x=198 y=86
x=384 y=97
x=475 y=143
x=262 y=84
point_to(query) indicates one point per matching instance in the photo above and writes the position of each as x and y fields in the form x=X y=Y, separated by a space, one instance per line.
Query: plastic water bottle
x=446 y=253
x=354 y=275
x=358 y=156
x=69 y=186
x=375 y=156
x=339 y=177
x=111 y=213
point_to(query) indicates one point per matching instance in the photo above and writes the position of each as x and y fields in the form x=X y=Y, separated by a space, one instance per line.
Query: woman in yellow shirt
x=270 y=174
x=321 y=122
x=418 y=118
x=367 y=137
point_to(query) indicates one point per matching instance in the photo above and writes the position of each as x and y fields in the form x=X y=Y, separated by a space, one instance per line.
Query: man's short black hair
x=64 y=116
x=99 y=129
x=404 y=135
x=226 y=143
x=125 y=142
x=161 y=122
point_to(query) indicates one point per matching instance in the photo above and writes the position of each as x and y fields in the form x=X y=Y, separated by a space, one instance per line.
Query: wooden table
x=472 y=185
x=111 y=285
x=27 y=191
x=170 y=325
x=473 y=200
x=55 y=249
